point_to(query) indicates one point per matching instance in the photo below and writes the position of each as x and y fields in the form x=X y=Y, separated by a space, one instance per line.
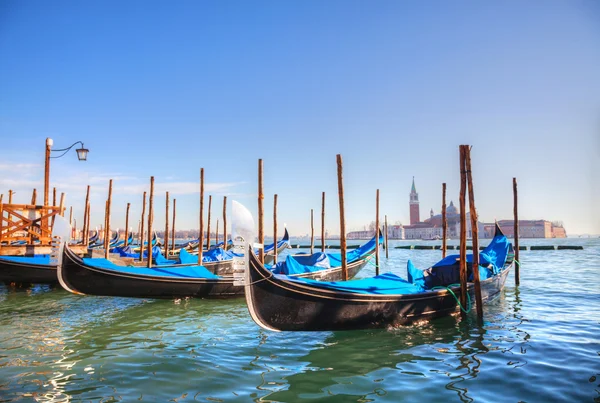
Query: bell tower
x=414 y=204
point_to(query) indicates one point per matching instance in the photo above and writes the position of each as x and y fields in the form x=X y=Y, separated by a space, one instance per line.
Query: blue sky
x=164 y=88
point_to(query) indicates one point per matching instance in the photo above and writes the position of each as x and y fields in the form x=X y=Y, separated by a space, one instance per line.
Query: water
x=540 y=343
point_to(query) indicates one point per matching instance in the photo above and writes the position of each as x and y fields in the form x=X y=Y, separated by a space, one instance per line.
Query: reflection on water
x=538 y=342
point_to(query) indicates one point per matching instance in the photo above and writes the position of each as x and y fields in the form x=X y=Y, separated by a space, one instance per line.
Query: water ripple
x=539 y=342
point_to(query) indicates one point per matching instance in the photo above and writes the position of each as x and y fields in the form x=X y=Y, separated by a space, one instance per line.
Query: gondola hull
x=17 y=272
x=220 y=268
x=79 y=278
x=279 y=304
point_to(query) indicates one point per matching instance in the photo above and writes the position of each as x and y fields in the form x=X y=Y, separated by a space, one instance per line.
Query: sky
x=163 y=88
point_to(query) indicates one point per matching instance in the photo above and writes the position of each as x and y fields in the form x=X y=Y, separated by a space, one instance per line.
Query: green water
x=540 y=342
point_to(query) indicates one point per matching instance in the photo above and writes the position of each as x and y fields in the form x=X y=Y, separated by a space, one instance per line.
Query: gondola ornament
x=242 y=235
x=61 y=234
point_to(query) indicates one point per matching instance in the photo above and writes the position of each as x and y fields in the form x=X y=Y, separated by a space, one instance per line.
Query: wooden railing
x=30 y=223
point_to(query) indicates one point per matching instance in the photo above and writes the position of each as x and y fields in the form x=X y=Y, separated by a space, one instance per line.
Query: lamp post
x=81 y=155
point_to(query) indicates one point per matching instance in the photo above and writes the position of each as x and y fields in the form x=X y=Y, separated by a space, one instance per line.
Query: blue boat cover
x=217 y=255
x=178 y=272
x=447 y=270
x=37 y=259
x=186 y=257
x=212 y=255
x=387 y=284
x=208 y=256
x=128 y=251
x=494 y=255
x=298 y=264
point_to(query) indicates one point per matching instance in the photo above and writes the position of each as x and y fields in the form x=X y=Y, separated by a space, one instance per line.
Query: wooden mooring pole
x=142 y=228
x=166 y=240
x=87 y=221
x=474 y=235
x=107 y=229
x=201 y=234
x=173 y=227
x=516 y=230
x=342 y=217
x=34 y=197
x=224 y=222
x=53 y=204
x=444 y=222
x=261 y=228
x=312 y=232
x=86 y=213
x=127 y=224
x=208 y=224
x=386 y=238
x=377 y=233
x=323 y=222
x=104 y=233
x=150 y=220
x=463 y=230
x=275 y=229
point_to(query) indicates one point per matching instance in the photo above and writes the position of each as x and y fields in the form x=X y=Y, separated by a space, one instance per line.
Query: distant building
x=394 y=232
x=422 y=230
x=532 y=229
x=367 y=234
x=414 y=204
x=432 y=227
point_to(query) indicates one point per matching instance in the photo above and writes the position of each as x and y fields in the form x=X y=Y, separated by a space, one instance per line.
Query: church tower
x=414 y=204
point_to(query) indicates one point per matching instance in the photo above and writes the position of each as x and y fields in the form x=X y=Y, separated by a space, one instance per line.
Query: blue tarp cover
x=179 y=272
x=186 y=257
x=216 y=255
x=390 y=284
x=212 y=255
x=37 y=259
x=298 y=264
x=446 y=271
x=208 y=256
x=387 y=283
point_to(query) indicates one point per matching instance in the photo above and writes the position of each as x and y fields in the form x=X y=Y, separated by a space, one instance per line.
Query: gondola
x=95 y=276
x=270 y=249
x=121 y=243
x=28 y=269
x=91 y=240
x=281 y=303
x=111 y=243
x=327 y=266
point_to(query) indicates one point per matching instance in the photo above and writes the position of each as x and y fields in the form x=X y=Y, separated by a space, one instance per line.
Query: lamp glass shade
x=82 y=154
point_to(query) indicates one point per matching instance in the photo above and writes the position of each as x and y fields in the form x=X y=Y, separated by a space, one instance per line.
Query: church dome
x=452 y=208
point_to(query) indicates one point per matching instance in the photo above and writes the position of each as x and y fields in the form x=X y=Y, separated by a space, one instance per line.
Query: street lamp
x=82 y=153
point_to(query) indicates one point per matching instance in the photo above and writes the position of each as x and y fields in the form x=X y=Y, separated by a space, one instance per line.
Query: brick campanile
x=414 y=204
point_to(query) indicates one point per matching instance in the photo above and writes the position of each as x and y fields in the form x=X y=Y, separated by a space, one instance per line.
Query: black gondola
x=270 y=250
x=281 y=303
x=80 y=278
x=23 y=269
